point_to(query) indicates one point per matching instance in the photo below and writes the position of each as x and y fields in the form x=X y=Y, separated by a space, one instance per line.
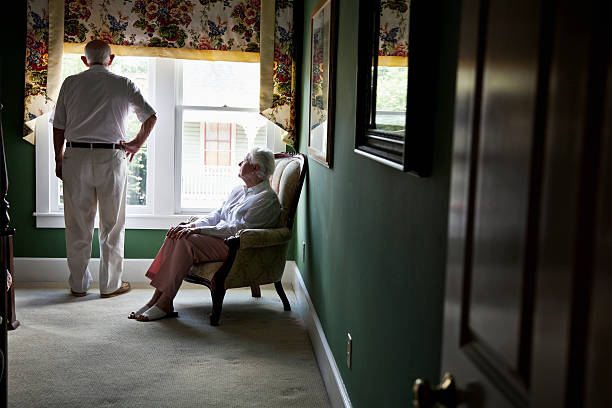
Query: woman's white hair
x=265 y=158
x=97 y=51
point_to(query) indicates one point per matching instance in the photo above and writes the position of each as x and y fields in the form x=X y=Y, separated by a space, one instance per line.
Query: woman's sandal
x=134 y=315
x=155 y=313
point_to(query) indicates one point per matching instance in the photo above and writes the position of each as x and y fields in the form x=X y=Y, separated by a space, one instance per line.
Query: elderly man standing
x=90 y=116
x=252 y=205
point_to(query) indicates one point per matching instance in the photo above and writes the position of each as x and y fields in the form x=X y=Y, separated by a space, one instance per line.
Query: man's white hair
x=265 y=158
x=97 y=51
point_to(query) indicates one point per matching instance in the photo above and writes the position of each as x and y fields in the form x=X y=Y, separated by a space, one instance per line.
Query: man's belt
x=94 y=145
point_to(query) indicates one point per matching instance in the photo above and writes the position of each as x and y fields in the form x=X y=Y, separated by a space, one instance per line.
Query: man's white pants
x=94 y=177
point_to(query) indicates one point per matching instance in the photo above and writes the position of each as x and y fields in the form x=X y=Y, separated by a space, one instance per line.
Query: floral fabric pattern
x=394 y=27
x=37 y=53
x=224 y=25
x=282 y=111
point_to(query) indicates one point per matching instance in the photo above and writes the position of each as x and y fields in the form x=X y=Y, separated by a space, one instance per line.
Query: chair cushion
x=284 y=182
x=205 y=270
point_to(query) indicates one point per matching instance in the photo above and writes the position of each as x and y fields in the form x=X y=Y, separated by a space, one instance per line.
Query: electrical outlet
x=349 y=350
x=303 y=251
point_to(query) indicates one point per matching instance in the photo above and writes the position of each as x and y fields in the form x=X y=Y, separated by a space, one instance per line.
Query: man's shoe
x=77 y=294
x=124 y=288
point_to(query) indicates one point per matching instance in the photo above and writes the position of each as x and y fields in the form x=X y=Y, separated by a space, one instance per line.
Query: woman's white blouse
x=254 y=207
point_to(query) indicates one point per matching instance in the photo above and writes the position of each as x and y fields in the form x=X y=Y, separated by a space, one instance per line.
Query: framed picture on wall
x=322 y=81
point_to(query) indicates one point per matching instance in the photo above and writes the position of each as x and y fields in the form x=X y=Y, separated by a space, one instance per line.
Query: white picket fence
x=207 y=186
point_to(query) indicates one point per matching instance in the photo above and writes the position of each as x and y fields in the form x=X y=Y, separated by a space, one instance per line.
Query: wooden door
x=529 y=272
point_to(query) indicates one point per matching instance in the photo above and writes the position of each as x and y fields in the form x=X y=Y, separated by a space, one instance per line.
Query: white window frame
x=163 y=175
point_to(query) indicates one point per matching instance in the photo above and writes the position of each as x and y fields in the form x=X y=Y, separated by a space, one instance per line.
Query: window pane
x=210 y=158
x=137 y=69
x=224 y=159
x=210 y=171
x=224 y=132
x=391 y=93
x=220 y=83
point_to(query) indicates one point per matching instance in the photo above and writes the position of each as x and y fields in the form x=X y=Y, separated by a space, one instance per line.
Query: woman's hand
x=181 y=230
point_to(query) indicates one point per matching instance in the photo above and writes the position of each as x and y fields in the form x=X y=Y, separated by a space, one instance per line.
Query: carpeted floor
x=84 y=352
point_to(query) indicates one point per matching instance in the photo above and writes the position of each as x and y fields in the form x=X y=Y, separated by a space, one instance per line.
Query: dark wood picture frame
x=323 y=42
x=413 y=151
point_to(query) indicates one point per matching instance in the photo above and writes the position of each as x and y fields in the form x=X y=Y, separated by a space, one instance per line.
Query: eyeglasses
x=245 y=161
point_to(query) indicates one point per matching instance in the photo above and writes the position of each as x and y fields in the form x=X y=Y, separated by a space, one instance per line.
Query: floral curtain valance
x=393 y=37
x=224 y=25
x=199 y=29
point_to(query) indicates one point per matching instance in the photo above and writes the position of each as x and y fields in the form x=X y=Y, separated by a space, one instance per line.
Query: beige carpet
x=84 y=352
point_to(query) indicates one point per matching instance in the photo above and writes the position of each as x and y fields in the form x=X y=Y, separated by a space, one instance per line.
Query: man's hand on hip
x=131 y=148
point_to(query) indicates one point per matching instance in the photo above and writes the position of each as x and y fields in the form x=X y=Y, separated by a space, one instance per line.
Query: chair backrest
x=287 y=181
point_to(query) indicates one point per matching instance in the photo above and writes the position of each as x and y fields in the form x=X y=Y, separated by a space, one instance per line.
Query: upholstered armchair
x=257 y=256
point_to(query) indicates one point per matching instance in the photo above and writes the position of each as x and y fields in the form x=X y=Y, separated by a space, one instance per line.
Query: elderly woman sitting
x=254 y=205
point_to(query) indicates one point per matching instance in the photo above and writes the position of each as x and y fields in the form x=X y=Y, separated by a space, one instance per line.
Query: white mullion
x=178 y=135
x=45 y=170
x=151 y=158
x=270 y=136
x=165 y=89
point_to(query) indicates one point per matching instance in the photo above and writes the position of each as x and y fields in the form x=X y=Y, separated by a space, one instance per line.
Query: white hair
x=264 y=158
x=97 y=51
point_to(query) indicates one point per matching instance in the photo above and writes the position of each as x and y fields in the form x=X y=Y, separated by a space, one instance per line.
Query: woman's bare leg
x=165 y=303
x=156 y=295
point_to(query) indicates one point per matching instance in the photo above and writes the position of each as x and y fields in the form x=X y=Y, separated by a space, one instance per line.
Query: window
x=218 y=111
x=207 y=121
x=217 y=143
x=137 y=69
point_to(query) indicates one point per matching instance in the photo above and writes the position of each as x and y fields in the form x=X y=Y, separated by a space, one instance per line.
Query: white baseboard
x=56 y=270
x=336 y=390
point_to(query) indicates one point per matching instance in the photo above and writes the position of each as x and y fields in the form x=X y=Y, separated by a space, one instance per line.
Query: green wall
x=376 y=237
x=30 y=241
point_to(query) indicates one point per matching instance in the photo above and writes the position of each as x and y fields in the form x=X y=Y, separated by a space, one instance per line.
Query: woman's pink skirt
x=176 y=256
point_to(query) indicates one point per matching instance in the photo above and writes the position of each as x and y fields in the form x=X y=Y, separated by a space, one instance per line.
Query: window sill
x=132 y=221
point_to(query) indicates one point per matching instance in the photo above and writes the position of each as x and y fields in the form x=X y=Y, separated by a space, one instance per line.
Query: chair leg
x=217 y=304
x=281 y=293
x=255 y=291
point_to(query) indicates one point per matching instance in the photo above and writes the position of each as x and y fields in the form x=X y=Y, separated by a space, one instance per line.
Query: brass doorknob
x=426 y=396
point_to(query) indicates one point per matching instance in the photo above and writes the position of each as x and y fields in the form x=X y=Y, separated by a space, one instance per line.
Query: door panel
x=529 y=220
x=598 y=370
x=502 y=197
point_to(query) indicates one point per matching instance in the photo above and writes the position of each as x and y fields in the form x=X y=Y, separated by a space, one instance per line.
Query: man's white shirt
x=99 y=102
